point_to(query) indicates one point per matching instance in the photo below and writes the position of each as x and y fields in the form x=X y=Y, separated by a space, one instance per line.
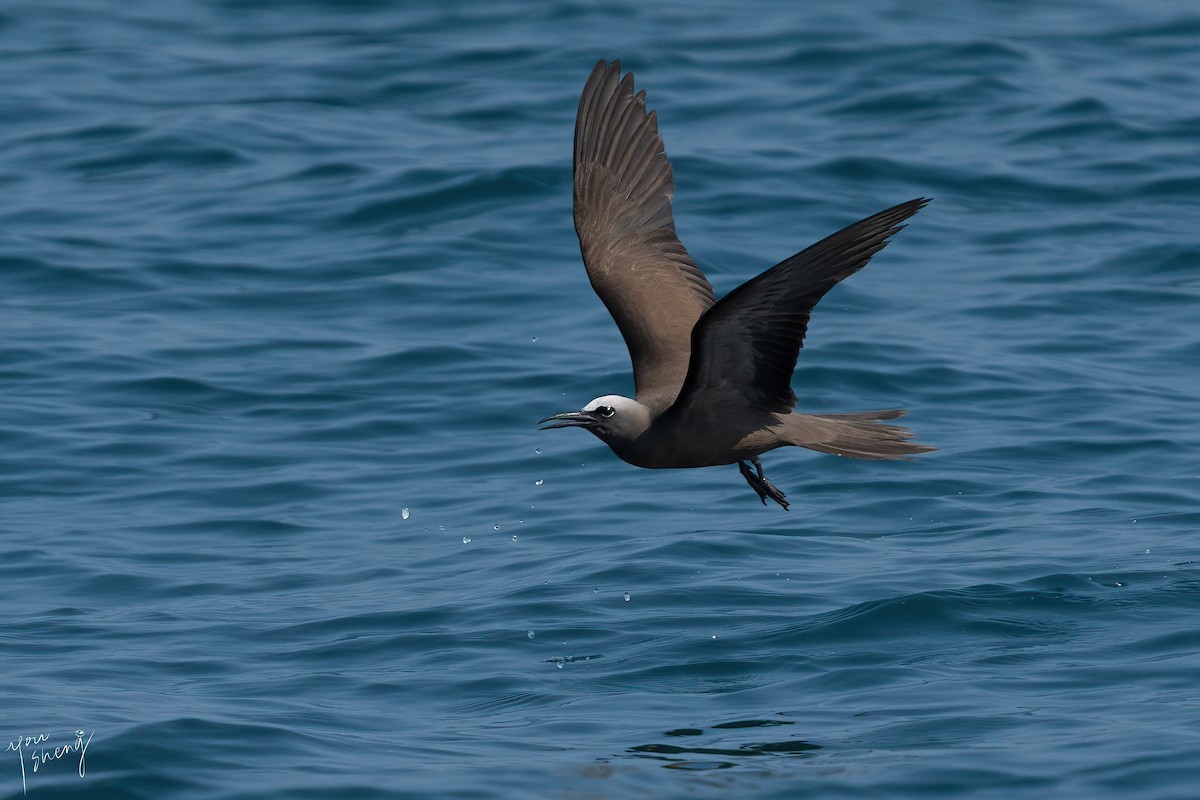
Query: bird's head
x=613 y=418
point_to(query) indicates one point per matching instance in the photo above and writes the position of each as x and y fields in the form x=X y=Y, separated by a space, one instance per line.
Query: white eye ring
x=606 y=411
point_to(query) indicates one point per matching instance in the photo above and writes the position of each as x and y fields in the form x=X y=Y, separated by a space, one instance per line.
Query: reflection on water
x=722 y=744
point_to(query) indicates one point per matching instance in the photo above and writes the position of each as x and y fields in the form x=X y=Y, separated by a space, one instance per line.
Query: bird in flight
x=712 y=378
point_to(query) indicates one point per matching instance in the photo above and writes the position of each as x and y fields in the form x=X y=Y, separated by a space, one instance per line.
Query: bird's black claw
x=751 y=479
x=761 y=485
x=774 y=494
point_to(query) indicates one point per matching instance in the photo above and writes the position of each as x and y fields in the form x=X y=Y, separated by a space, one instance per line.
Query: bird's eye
x=606 y=411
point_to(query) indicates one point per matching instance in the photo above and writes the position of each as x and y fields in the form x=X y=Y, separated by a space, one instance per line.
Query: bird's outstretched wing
x=744 y=348
x=636 y=263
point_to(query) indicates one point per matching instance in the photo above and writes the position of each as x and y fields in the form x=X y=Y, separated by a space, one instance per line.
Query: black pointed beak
x=571 y=419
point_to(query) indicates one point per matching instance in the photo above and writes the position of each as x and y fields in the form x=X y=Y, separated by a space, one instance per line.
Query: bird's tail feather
x=861 y=435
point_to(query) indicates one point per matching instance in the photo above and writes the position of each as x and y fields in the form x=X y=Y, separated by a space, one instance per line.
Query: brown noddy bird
x=713 y=379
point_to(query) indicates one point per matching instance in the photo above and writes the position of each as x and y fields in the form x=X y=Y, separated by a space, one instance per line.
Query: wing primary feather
x=634 y=259
x=746 y=345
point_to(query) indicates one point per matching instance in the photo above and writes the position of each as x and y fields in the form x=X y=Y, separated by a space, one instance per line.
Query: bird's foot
x=759 y=483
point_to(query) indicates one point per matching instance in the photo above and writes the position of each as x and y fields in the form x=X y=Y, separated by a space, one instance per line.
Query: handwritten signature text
x=41 y=752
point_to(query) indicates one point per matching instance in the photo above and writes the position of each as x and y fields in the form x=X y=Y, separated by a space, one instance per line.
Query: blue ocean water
x=284 y=288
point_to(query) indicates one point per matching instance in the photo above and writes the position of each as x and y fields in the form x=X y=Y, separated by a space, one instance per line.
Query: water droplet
x=466 y=540
x=538 y=482
x=531 y=634
x=404 y=513
x=627 y=597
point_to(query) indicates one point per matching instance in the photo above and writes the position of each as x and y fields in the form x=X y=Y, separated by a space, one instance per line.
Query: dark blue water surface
x=284 y=288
